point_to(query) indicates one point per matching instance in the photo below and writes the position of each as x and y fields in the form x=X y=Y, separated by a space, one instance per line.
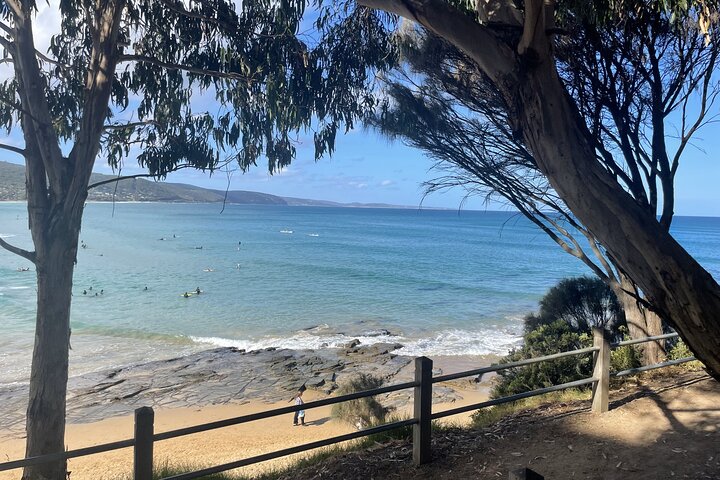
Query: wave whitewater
x=452 y=342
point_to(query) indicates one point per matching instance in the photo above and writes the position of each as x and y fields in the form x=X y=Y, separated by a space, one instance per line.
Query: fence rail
x=145 y=437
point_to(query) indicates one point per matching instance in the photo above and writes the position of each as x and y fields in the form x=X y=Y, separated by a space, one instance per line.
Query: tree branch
x=7 y=29
x=493 y=57
x=17 y=251
x=123 y=126
x=185 y=68
x=15 y=7
x=18 y=150
x=130 y=177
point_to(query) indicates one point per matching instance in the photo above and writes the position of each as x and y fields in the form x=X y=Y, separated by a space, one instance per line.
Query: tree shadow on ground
x=660 y=430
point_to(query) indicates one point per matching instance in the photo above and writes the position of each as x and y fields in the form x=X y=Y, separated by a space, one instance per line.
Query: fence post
x=143 y=452
x=422 y=411
x=601 y=371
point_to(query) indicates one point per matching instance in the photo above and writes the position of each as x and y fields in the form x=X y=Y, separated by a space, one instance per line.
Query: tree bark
x=676 y=285
x=45 y=425
x=673 y=282
x=641 y=323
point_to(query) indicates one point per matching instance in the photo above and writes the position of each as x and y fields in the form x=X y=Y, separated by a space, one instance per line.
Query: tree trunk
x=641 y=323
x=45 y=425
x=684 y=293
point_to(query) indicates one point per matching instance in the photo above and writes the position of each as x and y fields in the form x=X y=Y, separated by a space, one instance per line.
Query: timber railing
x=145 y=437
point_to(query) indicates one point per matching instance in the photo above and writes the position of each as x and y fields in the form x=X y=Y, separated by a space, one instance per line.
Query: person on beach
x=299 y=414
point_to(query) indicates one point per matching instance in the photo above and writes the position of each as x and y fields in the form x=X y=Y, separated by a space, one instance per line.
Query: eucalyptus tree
x=627 y=82
x=513 y=45
x=178 y=84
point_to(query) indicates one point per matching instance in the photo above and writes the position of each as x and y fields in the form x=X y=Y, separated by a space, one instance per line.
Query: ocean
x=439 y=282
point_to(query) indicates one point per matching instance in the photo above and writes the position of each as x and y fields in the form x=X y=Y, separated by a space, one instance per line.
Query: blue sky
x=368 y=168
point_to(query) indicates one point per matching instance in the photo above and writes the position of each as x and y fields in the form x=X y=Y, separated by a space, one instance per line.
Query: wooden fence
x=145 y=437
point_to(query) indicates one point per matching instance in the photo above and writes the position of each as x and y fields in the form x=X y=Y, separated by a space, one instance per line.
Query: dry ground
x=659 y=428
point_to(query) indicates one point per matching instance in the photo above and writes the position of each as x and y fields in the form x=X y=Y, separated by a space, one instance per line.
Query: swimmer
x=84 y=292
x=186 y=295
x=145 y=288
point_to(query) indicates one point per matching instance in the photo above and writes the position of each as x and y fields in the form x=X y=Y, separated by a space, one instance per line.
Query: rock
x=315 y=383
x=217 y=376
x=352 y=343
x=381 y=332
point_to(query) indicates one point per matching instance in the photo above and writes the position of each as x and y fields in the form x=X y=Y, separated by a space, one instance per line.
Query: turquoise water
x=439 y=282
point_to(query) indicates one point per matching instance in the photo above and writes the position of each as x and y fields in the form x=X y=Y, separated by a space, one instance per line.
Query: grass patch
x=487 y=416
x=362 y=412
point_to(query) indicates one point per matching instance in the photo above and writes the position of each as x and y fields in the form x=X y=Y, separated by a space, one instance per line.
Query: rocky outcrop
x=223 y=375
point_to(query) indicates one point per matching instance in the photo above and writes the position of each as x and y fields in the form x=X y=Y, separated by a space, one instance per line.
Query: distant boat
x=313 y=235
x=286 y=231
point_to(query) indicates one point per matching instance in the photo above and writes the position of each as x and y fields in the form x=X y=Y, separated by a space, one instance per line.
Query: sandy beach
x=230 y=443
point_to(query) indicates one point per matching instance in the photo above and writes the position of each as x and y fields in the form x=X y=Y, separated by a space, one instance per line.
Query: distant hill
x=12 y=187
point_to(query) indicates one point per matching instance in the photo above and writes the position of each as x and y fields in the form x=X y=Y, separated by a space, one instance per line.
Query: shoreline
x=224 y=383
x=232 y=376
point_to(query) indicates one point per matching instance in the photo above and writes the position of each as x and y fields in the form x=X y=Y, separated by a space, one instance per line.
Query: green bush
x=547 y=339
x=681 y=350
x=582 y=303
x=625 y=357
x=362 y=412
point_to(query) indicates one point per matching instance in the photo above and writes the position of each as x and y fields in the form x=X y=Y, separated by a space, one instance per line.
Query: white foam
x=448 y=342
x=300 y=341
x=6 y=235
x=462 y=342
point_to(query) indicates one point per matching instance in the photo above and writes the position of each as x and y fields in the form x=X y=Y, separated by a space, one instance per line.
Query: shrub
x=362 y=412
x=625 y=357
x=681 y=350
x=545 y=340
x=582 y=303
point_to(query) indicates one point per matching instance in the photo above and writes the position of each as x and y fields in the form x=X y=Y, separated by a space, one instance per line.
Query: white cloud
x=46 y=24
x=386 y=183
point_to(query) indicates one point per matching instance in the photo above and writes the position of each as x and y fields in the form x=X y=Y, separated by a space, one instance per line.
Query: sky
x=368 y=168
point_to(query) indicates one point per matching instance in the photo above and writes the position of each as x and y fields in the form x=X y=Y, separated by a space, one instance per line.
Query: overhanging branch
x=123 y=126
x=185 y=68
x=17 y=250
x=130 y=177
x=19 y=151
x=494 y=58
x=118 y=179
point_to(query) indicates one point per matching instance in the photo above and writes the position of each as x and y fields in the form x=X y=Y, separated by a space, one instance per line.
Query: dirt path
x=662 y=428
